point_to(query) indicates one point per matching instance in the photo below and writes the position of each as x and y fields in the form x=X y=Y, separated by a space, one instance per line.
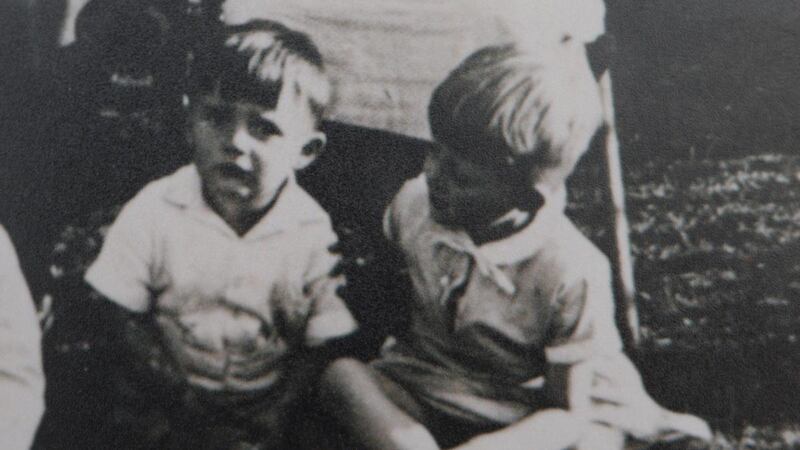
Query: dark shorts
x=145 y=418
x=448 y=425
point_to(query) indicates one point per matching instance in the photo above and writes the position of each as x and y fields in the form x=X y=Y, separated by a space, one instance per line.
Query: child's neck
x=242 y=219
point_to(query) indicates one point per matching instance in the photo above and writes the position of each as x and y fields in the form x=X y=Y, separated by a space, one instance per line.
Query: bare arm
x=135 y=349
x=363 y=405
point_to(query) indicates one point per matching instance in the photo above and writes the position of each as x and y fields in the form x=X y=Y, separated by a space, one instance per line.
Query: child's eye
x=461 y=178
x=262 y=129
x=218 y=115
x=458 y=173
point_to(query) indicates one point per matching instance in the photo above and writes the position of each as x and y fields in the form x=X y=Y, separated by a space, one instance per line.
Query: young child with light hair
x=512 y=340
x=227 y=261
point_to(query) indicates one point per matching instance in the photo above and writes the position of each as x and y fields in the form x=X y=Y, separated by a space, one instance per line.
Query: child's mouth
x=240 y=183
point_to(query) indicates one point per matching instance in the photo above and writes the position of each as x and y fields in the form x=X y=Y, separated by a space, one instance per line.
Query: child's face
x=244 y=152
x=464 y=193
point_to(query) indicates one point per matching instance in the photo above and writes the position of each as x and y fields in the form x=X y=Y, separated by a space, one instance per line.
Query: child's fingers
x=538 y=428
x=252 y=41
x=613 y=394
x=617 y=369
x=336 y=247
x=45 y=313
x=652 y=423
x=273 y=62
x=690 y=425
x=629 y=420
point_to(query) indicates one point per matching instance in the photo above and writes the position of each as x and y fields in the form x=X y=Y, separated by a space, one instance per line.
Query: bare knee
x=602 y=437
x=343 y=372
x=342 y=380
x=355 y=397
x=344 y=366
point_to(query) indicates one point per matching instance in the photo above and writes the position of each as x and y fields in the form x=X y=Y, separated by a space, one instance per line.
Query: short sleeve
x=21 y=376
x=329 y=317
x=122 y=271
x=407 y=209
x=584 y=324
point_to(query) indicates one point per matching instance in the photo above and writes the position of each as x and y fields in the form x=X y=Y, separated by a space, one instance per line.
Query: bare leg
x=360 y=400
x=602 y=437
x=550 y=429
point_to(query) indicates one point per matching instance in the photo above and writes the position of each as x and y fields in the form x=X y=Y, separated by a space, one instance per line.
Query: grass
x=717 y=251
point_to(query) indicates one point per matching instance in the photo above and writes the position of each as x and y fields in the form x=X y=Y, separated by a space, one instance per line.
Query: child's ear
x=311 y=149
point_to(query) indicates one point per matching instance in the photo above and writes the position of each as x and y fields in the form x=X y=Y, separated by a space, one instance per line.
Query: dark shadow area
x=709 y=79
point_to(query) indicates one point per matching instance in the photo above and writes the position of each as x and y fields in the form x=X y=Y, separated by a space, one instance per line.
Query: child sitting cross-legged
x=512 y=341
x=225 y=263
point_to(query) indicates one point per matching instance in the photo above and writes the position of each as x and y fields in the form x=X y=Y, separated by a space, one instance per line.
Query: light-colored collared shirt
x=233 y=309
x=488 y=319
x=21 y=376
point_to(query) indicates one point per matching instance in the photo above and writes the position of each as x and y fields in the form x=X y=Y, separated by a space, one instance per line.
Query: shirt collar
x=512 y=249
x=293 y=208
x=523 y=243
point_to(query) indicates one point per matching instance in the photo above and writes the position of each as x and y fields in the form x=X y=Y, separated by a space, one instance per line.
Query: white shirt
x=231 y=308
x=486 y=320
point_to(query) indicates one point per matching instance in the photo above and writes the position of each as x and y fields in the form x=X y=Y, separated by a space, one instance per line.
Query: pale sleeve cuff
x=331 y=325
x=126 y=293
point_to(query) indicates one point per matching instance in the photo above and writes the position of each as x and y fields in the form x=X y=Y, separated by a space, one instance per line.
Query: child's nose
x=245 y=162
x=243 y=148
x=241 y=139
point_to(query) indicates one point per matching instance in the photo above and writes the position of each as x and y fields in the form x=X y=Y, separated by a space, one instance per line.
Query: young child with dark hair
x=512 y=341
x=226 y=262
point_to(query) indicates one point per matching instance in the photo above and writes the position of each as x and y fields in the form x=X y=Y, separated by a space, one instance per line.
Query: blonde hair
x=502 y=103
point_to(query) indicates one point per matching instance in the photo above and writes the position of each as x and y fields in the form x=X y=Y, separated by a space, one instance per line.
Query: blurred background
x=706 y=79
x=707 y=109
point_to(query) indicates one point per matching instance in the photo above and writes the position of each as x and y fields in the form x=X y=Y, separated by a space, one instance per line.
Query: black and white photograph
x=399 y=224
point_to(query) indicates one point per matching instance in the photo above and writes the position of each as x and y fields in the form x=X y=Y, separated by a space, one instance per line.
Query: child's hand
x=619 y=400
x=220 y=329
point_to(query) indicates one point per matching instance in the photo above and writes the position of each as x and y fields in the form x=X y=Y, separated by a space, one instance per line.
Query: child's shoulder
x=178 y=189
x=412 y=198
x=158 y=202
x=297 y=205
x=408 y=210
x=573 y=244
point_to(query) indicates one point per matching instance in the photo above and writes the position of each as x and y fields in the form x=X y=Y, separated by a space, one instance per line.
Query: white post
x=67 y=32
x=619 y=218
